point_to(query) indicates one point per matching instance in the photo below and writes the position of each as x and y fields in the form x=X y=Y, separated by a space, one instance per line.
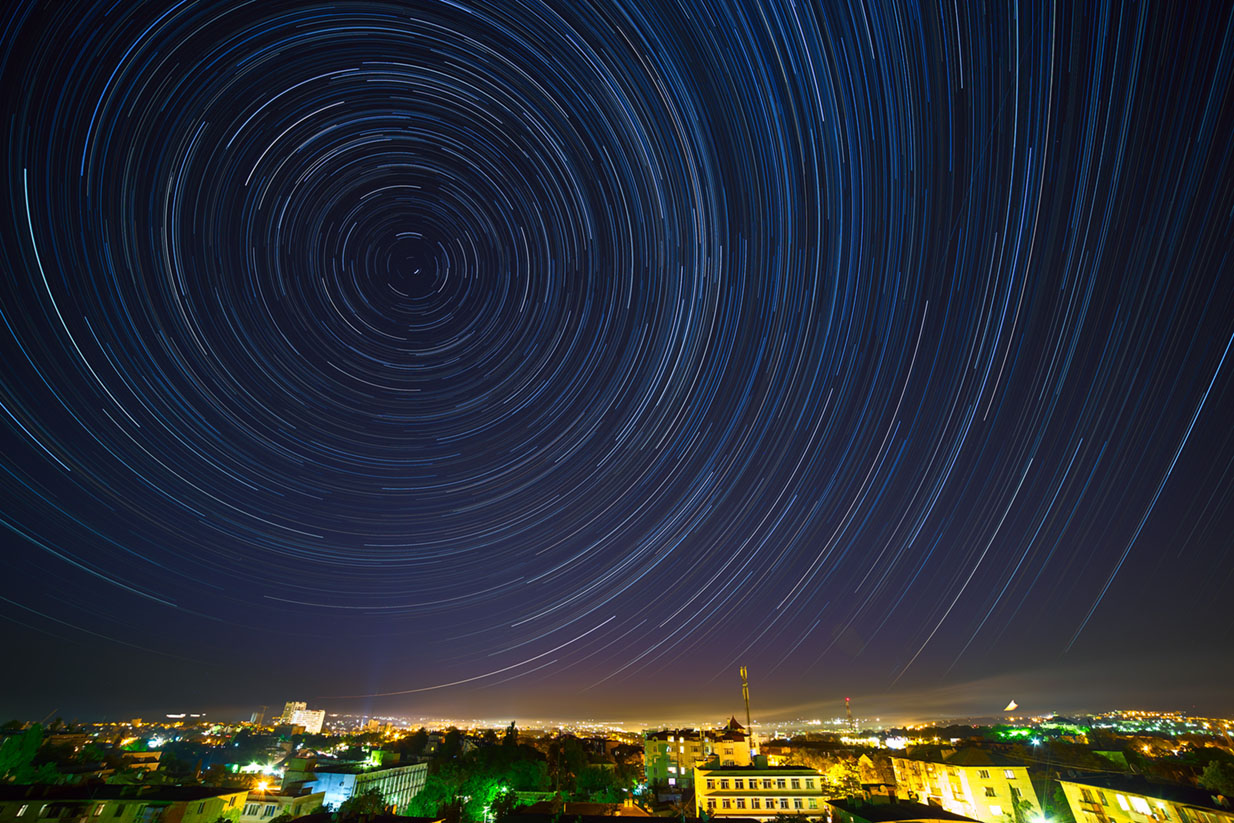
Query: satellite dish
x=1012 y=706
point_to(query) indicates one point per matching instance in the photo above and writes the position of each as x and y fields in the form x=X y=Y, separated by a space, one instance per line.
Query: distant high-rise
x=848 y=713
x=290 y=708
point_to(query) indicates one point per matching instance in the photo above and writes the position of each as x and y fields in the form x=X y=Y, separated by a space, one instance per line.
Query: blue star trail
x=521 y=346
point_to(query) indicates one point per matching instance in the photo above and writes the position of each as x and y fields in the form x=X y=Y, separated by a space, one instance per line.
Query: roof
x=150 y=794
x=1175 y=793
x=586 y=810
x=768 y=770
x=890 y=812
x=972 y=756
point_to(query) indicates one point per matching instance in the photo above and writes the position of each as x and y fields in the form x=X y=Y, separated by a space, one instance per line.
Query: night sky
x=511 y=358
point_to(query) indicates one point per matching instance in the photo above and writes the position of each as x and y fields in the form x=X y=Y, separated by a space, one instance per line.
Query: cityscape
x=308 y=764
x=548 y=411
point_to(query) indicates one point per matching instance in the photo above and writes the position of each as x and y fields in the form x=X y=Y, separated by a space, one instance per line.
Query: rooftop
x=155 y=794
x=890 y=812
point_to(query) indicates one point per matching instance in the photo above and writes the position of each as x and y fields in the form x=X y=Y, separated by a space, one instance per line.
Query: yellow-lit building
x=670 y=755
x=1128 y=800
x=972 y=782
x=758 y=791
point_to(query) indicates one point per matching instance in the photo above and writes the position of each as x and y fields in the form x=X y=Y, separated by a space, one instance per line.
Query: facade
x=757 y=791
x=119 y=804
x=311 y=719
x=397 y=784
x=290 y=708
x=669 y=756
x=1127 y=800
x=261 y=807
x=983 y=785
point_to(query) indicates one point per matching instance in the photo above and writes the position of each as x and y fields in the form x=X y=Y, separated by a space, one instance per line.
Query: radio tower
x=745 y=693
x=848 y=713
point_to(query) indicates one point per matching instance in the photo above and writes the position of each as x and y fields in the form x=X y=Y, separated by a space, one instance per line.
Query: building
x=984 y=785
x=670 y=755
x=261 y=807
x=757 y=791
x=860 y=810
x=397 y=784
x=119 y=804
x=311 y=719
x=290 y=708
x=1118 y=799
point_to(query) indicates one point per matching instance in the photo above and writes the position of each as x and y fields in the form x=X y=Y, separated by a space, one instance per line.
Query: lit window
x=1122 y=801
x=98 y=809
x=22 y=810
x=1009 y=774
x=813 y=803
x=996 y=811
x=1140 y=805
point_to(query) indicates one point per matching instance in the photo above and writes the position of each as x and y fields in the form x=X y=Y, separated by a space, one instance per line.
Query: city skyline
x=491 y=359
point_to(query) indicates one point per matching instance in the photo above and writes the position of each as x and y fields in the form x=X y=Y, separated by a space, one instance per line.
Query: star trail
x=496 y=350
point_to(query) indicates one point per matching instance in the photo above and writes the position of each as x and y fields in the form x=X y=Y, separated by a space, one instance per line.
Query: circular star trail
x=559 y=343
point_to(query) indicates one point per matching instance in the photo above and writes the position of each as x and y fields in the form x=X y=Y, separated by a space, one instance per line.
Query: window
x=755 y=803
x=796 y=802
x=201 y=807
x=98 y=810
x=1122 y=801
x=23 y=808
x=767 y=783
x=726 y=803
x=1165 y=813
x=1104 y=802
x=724 y=783
x=711 y=784
x=813 y=801
x=1015 y=793
x=1009 y=774
x=781 y=783
x=741 y=803
x=739 y=783
x=796 y=783
x=728 y=749
x=984 y=774
x=270 y=810
x=989 y=791
x=711 y=804
x=783 y=802
x=996 y=811
x=119 y=810
x=1140 y=805
x=809 y=782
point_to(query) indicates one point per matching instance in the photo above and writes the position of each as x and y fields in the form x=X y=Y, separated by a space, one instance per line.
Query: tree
x=368 y=802
x=1218 y=776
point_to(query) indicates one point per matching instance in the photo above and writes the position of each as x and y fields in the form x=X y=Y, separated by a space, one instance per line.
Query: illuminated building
x=119 y=804
x=264 y=806
x=310 y=719
x=758 y=791
x=397 y=784
x=971 y=782
x=1127 y=800
x=669 y=756
x=290 y=708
